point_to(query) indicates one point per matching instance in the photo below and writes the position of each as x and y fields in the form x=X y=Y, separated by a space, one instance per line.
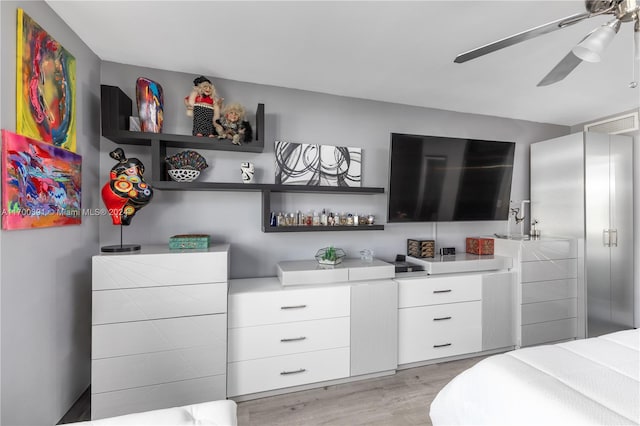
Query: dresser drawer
x=437 y=290
x=533 y=251
x=549 y=311
x=544 y=332
x=139 y=337
x=429 y=332
x=111 y=272
x=247 y=343
x=247 y=377
x=547 y=270
x=541 y=291
x=174 y=394
x=288 y=305
x=146 y=303
x=125 y=372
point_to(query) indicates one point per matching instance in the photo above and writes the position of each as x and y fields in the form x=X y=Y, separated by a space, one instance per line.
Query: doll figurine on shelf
x=232 y=125
x=204 y=106
x=126 y=192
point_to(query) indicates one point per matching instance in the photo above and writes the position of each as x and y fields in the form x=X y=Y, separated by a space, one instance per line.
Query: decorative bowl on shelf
x=183 y=175
x=330 y=256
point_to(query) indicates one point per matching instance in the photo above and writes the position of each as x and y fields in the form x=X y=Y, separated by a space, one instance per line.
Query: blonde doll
x=233 y=126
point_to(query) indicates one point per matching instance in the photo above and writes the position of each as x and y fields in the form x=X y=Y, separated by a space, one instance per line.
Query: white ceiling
x=391 y=51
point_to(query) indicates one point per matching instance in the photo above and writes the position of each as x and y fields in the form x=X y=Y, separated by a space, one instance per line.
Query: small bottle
x=349 y=220
x=316 y=219
x=323 y=218
x=280 y=219
x=331 y=220
x=355 y=220
x=309 y=219
x=273 y=220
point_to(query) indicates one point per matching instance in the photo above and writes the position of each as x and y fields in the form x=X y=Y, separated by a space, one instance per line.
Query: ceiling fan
x=589 y=49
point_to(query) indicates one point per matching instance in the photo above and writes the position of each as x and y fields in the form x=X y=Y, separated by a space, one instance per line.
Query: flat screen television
x=442 y=179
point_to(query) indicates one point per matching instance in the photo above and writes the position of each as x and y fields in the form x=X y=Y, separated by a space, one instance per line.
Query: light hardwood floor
x=400 y=399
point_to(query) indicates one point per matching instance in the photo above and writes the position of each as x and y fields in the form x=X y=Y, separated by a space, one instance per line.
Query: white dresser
x=447 y=315
x=280 y=337
x=439 y=317
x=548 y=290
x=300 y=334
x=159 y=329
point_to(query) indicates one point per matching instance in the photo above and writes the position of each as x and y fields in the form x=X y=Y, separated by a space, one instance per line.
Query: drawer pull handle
x=442 y=291
x=293 y=307
x=442 y=318
x=442 y=346
x=293 y=339
x=302 y=370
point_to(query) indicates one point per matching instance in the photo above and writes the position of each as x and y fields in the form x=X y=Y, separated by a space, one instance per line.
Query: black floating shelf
x=117 y=107
x=125 y=137
x=323 y=228
x=170 y=185
x=223 y=186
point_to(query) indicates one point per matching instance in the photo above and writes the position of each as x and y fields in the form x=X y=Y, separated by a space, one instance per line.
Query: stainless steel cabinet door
x=621 y=222
x=609 y=232
x=597 y=233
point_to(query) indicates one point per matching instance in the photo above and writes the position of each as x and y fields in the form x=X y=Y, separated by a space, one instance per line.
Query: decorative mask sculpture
x=126 y=192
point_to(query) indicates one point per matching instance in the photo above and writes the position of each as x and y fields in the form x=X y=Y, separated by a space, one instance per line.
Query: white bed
x=582 y=382
x=213 y=413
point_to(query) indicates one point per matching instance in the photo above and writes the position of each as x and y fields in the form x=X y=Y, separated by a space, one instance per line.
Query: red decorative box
x=478 y=245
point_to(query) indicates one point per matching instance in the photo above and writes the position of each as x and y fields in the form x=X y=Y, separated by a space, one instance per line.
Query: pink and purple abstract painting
x=40 y=184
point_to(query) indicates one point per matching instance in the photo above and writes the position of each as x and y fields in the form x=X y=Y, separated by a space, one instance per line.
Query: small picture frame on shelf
x=134 y=124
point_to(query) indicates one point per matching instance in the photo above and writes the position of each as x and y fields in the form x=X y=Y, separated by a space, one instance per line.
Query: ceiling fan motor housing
x=595 y=6
x=627 y=10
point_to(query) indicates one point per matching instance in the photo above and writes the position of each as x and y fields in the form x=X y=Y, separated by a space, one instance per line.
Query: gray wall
x=301 y=116
x=45 y=274
x=636 y=205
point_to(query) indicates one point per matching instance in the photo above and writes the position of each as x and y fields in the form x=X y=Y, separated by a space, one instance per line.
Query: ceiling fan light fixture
x=593 y=46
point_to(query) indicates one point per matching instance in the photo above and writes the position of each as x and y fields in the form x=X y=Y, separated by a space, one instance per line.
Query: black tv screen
x=442 y=179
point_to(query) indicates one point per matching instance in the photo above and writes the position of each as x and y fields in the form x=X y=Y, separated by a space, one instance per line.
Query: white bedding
x=213 y=413
x=582 y=382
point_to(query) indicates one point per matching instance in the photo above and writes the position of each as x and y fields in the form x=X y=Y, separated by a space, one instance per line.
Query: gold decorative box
x=421 y=248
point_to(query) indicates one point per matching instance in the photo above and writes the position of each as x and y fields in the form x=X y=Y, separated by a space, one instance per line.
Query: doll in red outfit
x=204 y=106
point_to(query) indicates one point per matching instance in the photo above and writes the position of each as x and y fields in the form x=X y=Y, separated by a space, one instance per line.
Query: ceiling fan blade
x=560 y=71
x=520 y=37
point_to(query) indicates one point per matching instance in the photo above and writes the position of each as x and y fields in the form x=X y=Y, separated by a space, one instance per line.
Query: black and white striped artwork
x=324 y=165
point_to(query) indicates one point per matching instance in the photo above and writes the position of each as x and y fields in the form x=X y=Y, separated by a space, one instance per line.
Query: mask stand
x=120 y=248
